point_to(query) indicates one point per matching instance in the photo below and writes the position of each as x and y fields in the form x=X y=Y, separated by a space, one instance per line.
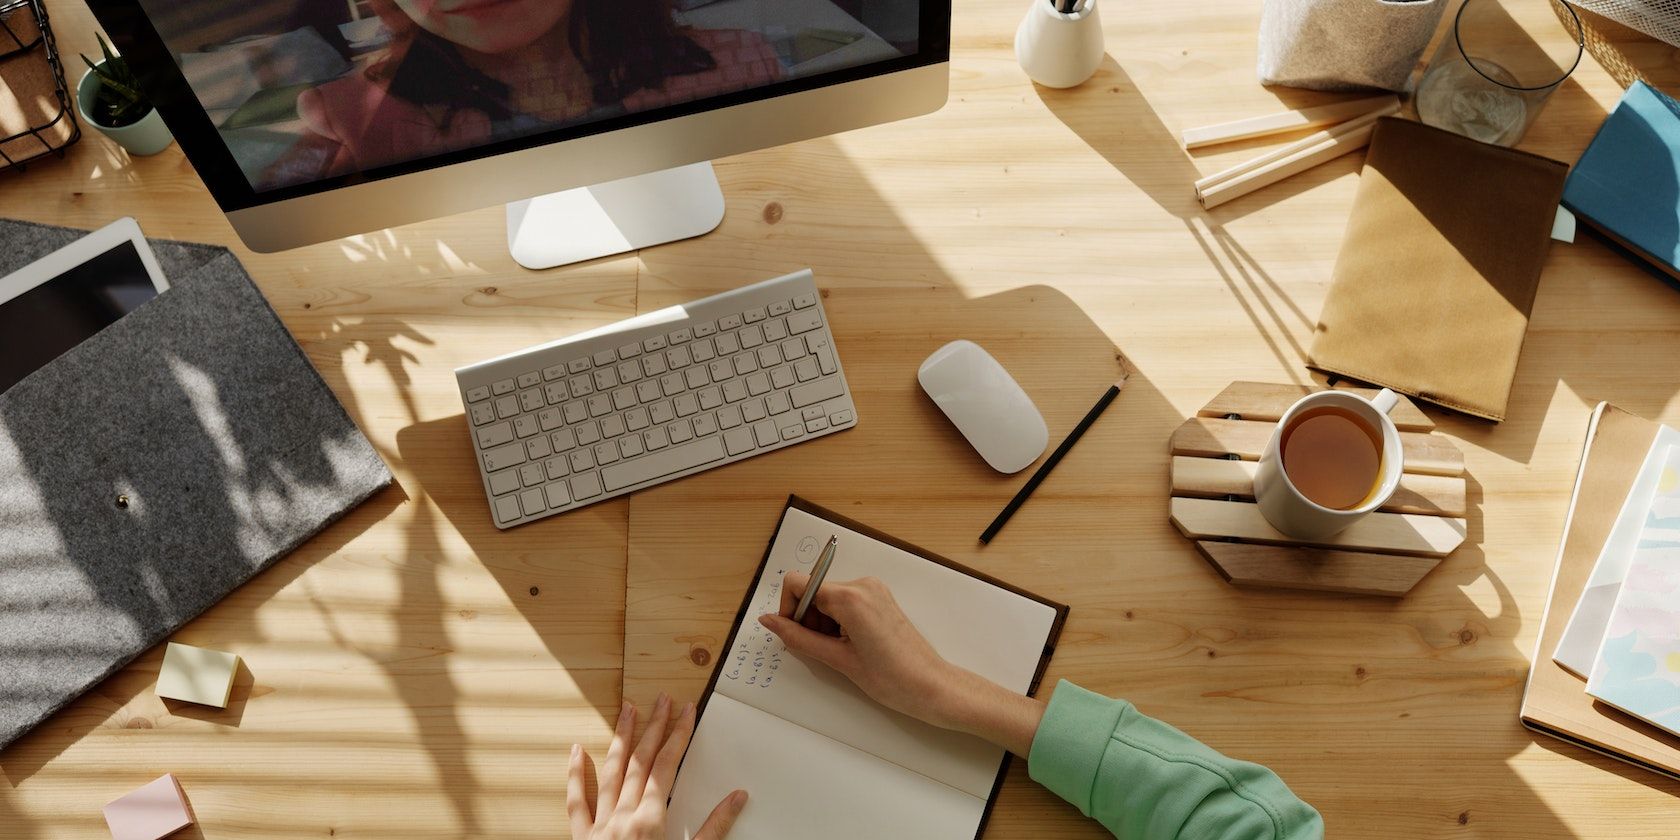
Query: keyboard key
x=661 y=413
x=557 y=467
x=812 y=412
x=612 y=426
x=630 y=372
x=792 y=349
x=655 y=439
x=721 y=369
x=704 y=330
x=782 y=376
x=662 y=463
x=702 y=351
x=577 y=366
x=538 y=448
x=587 y=434
x=502 y=386
x=806 y=369
x=686 y=405
x=605 y=378
x=815 y=392
x=531 y=474
x=531 y=400
x=505 y=481
x=553 y=372
x=710 y=398
x=775 y=329
x=507 y=407
x=753 y=316
x=654 y=344
x=671 y=384
x=735 y=390
x=599 y=404
x=582 y=459
x=765 y=431
x=738 y=440
x=729 y=417
x=629 y=350
x=769 y=356
x=529 y=380
x=727 y=344
x=504 y=456
x=606 y=453
x=532 y=502
x=680 y=432
x=583 y=386
x=753 y=410
x=803 y=301
x=556 y=393
x=704 y=425
x=777 y=403
x=482 y=414
x=625 y=399
x=525 y=425
x=636 y=420
x=680 y=336
x=654 y=365
x=586 y=486
x=495 y=435
x=549 y=419
x=678 y=357
x=780 y=308
x=563 y=440
x=558 y=495
x=696 y=377
x=803 y=321
x=507 y=509
x=825 y=358
x=793 y=430
x=816 y=424
x=757 y=384
x=575 y=412
x=478 y=394
x=751 y=337
x=746 y=363
x=630 y=446
x=729 y=322
x=647 y=391
x=604 y=357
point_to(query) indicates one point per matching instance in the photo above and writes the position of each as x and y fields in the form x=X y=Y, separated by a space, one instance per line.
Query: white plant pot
x=1060 y=50
x=146 y=137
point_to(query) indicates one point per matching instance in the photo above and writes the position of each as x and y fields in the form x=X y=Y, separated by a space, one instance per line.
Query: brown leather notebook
x=1438 y=267
x=1555 y=701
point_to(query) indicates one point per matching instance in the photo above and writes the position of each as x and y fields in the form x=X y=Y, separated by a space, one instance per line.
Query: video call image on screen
x=302 y=90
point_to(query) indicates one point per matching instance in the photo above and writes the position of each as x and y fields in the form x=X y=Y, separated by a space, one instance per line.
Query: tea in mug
x=1333 y=456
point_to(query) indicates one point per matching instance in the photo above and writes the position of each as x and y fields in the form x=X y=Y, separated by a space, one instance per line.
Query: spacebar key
x=661 y=463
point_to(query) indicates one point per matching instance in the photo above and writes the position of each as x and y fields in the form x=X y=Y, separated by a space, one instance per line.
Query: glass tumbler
x=1490 y=77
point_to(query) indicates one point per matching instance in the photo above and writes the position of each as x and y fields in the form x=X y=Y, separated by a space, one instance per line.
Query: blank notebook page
x=770 y=693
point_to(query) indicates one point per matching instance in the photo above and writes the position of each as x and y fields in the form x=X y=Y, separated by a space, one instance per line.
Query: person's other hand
x=634 y=784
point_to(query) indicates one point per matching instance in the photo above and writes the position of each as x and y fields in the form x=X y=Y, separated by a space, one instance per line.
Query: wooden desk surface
x=412 y=672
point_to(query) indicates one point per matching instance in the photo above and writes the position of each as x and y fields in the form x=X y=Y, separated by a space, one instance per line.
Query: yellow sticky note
x=197 y=675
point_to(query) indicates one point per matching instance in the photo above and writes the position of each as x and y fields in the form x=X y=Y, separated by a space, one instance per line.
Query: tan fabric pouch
x=1438 y=268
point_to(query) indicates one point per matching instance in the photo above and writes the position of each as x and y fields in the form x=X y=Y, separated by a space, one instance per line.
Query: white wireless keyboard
x=654 y=398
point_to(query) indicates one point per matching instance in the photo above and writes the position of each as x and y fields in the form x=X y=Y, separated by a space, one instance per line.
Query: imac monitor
x=594 y=120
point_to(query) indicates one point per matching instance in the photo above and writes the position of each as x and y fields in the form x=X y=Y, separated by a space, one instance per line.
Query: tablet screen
x=42 y=323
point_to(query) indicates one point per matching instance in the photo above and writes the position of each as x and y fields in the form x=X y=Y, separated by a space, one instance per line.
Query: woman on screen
x=462 y=73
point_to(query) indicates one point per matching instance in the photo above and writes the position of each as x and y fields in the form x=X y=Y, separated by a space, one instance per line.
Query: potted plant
x=109 y=99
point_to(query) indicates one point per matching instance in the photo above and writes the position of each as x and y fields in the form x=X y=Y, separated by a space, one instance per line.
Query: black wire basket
x=30 y=68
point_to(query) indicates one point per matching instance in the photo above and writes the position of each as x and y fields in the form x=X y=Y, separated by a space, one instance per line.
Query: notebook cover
x=1555 y=701
x=1438 y=268
x=1626 y=185
x=199 y=408
x=794 y=502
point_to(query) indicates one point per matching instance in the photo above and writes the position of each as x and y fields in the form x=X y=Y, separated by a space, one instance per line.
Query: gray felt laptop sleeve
x=201 y=411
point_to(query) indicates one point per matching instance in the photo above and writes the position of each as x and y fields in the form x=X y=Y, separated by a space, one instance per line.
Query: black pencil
x=1050 y=462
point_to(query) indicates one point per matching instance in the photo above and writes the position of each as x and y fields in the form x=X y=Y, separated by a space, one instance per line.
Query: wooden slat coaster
x=1385 y=553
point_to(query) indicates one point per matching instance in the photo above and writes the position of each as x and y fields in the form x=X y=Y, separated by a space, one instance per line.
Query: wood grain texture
x=1392 y=533
x=1269 y=400
x=1213 y=437
x=405 y=681
x=1217 y=478
x=1359 y=573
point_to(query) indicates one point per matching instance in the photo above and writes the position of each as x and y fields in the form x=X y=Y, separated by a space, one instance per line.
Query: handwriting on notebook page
x=757 y=655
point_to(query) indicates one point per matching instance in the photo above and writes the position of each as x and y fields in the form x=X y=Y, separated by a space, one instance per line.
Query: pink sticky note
x=157 y=810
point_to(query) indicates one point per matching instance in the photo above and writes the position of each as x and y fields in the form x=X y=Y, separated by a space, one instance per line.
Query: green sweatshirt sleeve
x=1145 y=780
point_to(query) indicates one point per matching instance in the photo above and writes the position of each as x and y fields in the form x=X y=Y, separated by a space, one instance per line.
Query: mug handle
x=1385 y=401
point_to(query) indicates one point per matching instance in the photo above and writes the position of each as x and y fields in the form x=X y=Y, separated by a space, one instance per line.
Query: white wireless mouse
x=986 y=405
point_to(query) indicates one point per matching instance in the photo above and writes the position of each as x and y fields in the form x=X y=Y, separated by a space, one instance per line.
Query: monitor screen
x=314 y=92
x=42 y=323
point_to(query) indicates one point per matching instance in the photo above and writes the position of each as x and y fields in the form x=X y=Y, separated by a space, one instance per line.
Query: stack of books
x=1606 y=672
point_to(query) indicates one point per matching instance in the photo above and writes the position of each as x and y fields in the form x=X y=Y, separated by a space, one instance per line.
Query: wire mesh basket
x=36 y=117
x=1659 y=19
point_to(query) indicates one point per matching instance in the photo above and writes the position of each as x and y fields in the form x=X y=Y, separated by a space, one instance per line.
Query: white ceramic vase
x=147 y=137
x=1060 y=50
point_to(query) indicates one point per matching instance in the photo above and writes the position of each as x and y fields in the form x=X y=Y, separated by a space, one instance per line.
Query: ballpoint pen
x=817 y=575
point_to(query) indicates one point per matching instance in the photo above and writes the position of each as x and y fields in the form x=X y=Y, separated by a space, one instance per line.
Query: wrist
x=968 y=702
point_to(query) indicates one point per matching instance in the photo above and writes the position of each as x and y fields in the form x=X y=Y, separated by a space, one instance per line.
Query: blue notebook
x=1626 y=186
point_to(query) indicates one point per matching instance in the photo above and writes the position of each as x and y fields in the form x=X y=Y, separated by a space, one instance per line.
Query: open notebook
x=819 y=758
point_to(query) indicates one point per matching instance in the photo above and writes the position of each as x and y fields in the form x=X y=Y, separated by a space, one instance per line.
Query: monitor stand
x=614 y=217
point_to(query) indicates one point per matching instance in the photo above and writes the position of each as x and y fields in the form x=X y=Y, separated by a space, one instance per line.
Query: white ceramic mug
x=1293 y=513
x=1060 y=50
